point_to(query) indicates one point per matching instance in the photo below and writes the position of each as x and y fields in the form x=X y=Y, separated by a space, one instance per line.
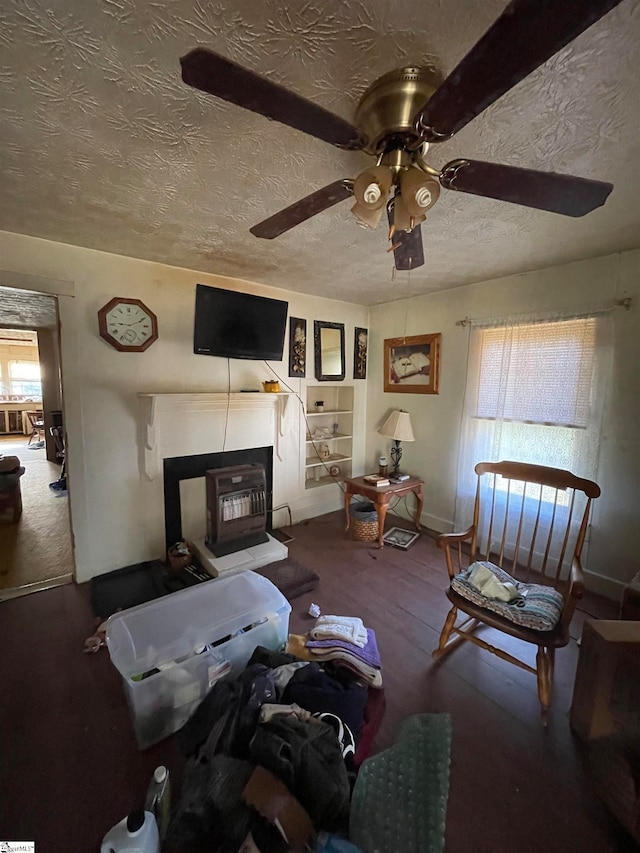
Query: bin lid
x=174 y=626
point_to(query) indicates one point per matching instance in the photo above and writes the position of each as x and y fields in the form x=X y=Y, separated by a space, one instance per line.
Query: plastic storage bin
x=170 y=651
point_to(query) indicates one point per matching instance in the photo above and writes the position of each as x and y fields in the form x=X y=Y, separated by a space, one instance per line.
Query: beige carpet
x=38 y=548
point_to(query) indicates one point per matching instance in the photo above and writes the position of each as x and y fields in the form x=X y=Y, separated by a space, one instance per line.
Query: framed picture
x=412 y=365
x=400 y=538
x=297 y=347
x=360 y=340
x=328 y=344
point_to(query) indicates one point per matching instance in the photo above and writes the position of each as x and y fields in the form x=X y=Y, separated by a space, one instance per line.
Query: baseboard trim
x=609 y=587
x=433 y=522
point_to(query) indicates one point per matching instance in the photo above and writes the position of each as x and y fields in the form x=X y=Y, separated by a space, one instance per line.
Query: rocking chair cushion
x=537 y=606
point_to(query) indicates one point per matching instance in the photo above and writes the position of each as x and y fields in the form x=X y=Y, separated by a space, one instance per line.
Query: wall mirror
x=328 y=339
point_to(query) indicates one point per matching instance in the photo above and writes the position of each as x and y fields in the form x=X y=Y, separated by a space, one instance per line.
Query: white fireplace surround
x=174 y=425
x=189 y=424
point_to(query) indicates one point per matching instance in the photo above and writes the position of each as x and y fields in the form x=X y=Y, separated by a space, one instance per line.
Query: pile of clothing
x=346 y=642
x=272 y=754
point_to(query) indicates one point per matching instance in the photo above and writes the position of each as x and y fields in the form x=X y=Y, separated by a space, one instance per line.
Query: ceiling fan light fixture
x=372 y=187
x=423 y=197
x=372 y=193
x=419 y=191
x=403 y=218
x=365 y=216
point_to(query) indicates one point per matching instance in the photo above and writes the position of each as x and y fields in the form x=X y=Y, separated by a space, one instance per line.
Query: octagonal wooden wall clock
x=128 y=325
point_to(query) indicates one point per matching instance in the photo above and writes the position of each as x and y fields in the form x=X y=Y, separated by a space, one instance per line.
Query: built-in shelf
x=334 y=449
x=312 y=461
x=326 y=412
x=323 y=481
x=337 y=435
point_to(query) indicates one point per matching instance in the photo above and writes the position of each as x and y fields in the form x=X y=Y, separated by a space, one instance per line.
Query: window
x=24 y=379
x=535 y=393
x=537 y=379
x=539 y=373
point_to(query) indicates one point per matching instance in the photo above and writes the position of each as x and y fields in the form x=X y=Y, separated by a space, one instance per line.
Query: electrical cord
x=306 y=420
x=226 y=416
x=408 y=517
x=288 y=509
x=392 y=507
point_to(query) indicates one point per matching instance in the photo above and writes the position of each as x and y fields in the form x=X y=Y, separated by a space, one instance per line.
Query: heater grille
x=236 y=507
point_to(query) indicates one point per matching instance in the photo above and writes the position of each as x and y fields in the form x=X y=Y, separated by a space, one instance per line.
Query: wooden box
x=606 y=694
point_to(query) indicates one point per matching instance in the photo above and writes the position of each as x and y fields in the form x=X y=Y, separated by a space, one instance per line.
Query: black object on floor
x=127 y=587
x=189 y=576
x=291 y=577
x=282 y=535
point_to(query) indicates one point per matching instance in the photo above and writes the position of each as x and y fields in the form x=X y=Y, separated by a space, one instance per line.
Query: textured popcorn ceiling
x=24 y=309
x=103 y=145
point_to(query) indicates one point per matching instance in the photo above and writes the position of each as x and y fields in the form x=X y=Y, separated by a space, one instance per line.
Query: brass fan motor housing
x=388 y=108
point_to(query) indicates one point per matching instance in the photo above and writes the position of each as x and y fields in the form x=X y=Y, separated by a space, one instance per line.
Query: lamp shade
x=398 y=426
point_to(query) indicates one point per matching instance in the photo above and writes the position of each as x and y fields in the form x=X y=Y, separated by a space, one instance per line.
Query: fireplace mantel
x=177 y=424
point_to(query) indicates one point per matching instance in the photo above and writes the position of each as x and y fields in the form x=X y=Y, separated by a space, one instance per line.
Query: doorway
x=35 y=545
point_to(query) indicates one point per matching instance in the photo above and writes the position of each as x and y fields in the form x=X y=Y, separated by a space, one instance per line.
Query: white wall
x=101 y=385
x=615 y=537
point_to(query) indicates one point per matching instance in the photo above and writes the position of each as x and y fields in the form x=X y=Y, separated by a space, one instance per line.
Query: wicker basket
x=364 y=522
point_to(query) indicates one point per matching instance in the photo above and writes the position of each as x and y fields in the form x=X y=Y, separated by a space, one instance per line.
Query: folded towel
x=367 y=674
x=340 y=620
x=488 y=584
x=296 y=646
x=347 y=628
x=369 y=654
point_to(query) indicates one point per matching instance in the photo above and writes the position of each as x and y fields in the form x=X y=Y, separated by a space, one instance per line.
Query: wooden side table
x=381 y=496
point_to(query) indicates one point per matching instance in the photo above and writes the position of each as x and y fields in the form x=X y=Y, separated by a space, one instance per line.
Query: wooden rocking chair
x=538 y=516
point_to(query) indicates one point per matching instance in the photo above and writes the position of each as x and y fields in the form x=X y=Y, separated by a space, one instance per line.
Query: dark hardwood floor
x=70 y=768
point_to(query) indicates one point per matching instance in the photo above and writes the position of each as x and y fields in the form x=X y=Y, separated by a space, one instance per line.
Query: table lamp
x=398 y=427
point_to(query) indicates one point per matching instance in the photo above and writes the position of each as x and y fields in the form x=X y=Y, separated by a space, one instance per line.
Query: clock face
x=127 y=324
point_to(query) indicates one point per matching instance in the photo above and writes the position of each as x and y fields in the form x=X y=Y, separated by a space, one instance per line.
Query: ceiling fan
x=407 y=110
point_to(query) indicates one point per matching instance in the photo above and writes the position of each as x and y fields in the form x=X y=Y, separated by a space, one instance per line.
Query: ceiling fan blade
x=408 y=252
x=208 y=71
x=564 y=194
x=304 y=209
x=526 y=34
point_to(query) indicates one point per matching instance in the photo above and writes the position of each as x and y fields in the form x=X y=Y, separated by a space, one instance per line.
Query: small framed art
x=360 y=342
x=400 y=538
x=412 y=365
x=297 y=347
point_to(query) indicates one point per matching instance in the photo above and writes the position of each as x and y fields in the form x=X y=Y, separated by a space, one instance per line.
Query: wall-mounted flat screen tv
x=238 y=325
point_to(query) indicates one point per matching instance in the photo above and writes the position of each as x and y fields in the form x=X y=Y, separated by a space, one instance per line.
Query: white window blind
x=535 y=393
x=540 y=373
